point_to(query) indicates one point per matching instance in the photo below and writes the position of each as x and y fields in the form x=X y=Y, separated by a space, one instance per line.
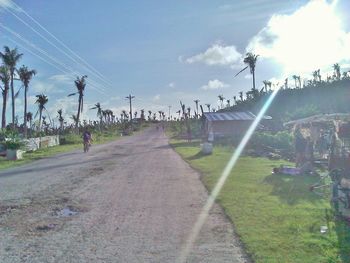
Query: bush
x=13 y=141
x=282 y=140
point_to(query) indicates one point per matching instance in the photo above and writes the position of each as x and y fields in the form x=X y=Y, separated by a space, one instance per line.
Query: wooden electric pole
x=130 y=98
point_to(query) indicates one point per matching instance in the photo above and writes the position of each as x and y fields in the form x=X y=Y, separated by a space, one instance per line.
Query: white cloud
x=214 y=85
x=171 y=85
x=156 y=98
x=308 y=39
x=62 y=78
x=248 y=76
x=217 y=55
x=42 y=87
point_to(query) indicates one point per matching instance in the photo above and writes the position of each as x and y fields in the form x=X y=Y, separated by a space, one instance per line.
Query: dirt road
x=132 y=200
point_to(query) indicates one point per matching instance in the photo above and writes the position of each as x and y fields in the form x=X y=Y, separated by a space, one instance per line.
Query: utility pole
x=130 y=98
x=169 y=111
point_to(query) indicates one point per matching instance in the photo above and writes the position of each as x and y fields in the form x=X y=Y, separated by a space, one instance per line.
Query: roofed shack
x=235 y=123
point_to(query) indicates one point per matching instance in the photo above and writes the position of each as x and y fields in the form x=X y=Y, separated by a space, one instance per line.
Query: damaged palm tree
x=187 y=123
x=80 y=84
x=25 y=76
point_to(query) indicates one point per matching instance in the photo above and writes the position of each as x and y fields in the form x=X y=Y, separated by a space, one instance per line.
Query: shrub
x=282 y=140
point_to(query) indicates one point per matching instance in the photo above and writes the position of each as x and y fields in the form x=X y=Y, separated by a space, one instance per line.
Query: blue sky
x=166 y=51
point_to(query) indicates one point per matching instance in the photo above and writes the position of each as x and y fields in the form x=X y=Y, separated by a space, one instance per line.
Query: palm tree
x=241 y=95
x=142 y=114
x=5 y=79
x=266 y=83
x=286 y=83
x=99 y=111
x=25 y=76
x=10 y=57
x=189 y=112
x=250 y=59
x=221 y=99
x=337 y=73
x=60 y=119
x=41 y=101
x=235 y=99
x=295 y=77
x=125 y=115
x=196 y=101
x=74 y=118
x=80 y=84
x=208 y=106
x=149 y=115
x=228 y=103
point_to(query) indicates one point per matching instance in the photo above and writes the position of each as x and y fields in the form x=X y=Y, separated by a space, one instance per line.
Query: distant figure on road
x=87 y=137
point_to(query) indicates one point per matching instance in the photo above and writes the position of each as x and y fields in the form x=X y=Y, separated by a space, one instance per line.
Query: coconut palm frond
x=17 y=93
x=241 y=71
x=72 y=94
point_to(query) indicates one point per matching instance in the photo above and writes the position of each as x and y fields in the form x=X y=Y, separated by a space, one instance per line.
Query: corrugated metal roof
x=231 y=116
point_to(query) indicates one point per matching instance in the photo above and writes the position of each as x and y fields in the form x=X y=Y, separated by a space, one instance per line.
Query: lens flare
x=226 y=172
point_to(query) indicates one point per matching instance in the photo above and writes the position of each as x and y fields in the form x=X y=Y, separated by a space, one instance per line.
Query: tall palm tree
x=235 y=99
x=337 y=73
x=286 y=83
x=196 y=101
x=60 y=118
x=10 y=58
x=41 y=101
x=80 y=84
x=241 y=95
x=250 y=59
x=295 y=77
x=221 y=99
x=5 y=80
x=25 y=76
x=149 y=115
x=99 y=111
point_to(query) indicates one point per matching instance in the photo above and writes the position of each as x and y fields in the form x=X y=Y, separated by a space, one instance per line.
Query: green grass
x=73 y=143
x=276 y=216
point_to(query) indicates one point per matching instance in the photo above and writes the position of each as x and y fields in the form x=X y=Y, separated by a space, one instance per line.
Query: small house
x=234 y=123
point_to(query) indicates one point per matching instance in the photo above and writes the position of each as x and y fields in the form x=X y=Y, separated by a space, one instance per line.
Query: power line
x=59 y=41
x=68 y=70
x=50 y=42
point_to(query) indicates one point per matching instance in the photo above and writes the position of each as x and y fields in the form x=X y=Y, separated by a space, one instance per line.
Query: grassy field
x=276 y=216
x=73 y=143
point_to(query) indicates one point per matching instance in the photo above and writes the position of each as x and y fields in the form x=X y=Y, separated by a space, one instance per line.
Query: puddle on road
x=66 y=212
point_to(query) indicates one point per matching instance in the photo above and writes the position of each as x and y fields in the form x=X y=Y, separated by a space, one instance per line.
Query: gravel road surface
x=132 y=200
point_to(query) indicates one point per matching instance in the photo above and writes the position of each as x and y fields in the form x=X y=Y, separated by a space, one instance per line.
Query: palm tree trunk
x=40 y=113
x=78 y=115
x=25 y=112
x=4 y=104
x=253 y=80
x=13 y=101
